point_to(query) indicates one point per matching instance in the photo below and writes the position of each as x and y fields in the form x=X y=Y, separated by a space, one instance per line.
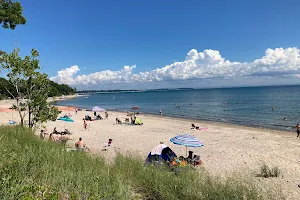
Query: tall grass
x=266 y=171
x=35 y=169
x=41 y=169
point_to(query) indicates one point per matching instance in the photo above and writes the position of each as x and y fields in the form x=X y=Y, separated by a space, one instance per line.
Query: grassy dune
x=35 y=169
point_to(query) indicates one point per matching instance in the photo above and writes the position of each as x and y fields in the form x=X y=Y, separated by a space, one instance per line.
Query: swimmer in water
x=273 y=107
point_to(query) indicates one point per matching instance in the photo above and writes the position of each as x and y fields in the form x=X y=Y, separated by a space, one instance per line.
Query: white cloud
x=66 y=75
x=208 y=64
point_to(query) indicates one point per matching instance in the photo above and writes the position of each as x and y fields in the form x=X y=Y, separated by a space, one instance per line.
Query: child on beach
x=106 y=115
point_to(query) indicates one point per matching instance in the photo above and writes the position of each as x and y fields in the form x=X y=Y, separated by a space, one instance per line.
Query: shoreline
x=179 y=117
x=6 y=104
x=210 y=122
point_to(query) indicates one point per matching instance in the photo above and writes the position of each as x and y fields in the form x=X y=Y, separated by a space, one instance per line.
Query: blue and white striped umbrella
x=187 y=140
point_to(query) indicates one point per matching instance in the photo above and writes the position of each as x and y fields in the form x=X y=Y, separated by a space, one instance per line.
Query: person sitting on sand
x=196 y=160
x=194 y=127
x=11 y=122
x=42 y=134
x=107 y=145
x=133 y=118
x=51 y=137
x=55 y=131
x=118 y=121
x=80 y=145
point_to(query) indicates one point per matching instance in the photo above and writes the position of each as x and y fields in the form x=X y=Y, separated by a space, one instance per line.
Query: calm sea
x=251 y=106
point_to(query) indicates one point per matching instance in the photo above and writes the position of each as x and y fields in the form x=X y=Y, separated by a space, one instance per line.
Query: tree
x=11 y=14
x=30 y=87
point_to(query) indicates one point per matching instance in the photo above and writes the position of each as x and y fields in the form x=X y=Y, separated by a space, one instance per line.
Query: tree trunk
x=20 y=113
x=21 y=118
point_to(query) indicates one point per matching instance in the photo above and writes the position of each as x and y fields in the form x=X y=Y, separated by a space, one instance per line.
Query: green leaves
x=30 y=87
x=11 y=14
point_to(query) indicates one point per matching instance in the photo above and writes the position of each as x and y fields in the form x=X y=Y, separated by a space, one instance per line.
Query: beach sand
x=227 y=148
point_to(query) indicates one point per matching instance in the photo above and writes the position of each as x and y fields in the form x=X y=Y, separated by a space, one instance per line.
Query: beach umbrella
x=98 y=109
x=66 y=119
x=135 y=108
x=187 y=141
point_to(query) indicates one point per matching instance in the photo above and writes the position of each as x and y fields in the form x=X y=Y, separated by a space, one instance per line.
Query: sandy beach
x=227 y=148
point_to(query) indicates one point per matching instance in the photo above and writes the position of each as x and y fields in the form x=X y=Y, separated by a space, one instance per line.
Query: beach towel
x=200 y=129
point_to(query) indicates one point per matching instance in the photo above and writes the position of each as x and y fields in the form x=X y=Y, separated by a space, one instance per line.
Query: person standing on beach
x=298 y=130
x=106 y=115
x=160 y=112
x=84 y=124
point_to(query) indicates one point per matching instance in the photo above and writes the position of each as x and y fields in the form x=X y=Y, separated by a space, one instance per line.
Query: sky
x=138 y=44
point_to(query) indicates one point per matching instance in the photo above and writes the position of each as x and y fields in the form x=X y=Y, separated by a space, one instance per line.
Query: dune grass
x=35 y=169
x=266 y=171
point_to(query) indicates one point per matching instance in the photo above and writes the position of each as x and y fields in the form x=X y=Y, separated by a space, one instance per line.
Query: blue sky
x=97 y=35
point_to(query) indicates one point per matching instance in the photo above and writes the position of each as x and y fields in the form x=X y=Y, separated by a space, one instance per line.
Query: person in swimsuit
x=298 y=130
x=80 y=145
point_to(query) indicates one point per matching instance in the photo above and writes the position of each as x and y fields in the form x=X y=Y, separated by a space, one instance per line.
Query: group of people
x=163 y=154
x=132 y=116
x=56 y=137
x=106 y=115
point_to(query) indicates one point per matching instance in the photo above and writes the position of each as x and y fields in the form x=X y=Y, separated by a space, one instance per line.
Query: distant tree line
x=60 y=89
x=55 y=89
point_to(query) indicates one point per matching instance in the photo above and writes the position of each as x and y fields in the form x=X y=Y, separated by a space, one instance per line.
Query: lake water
x=251 y=106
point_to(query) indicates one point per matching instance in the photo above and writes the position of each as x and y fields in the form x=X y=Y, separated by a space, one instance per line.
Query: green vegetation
x=55 y=90
x=11 y=14
x=34 y=169
x=60 y=89
x=30 y=86
x=266 y=171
